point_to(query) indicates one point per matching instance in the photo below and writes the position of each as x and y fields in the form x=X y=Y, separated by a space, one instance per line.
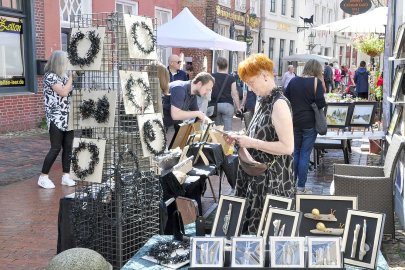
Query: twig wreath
x=91 y=52
x=94 y=159
x=162 y=251
x=100 y=110
x=149 y=136
x=146 y=98
x=134 y=33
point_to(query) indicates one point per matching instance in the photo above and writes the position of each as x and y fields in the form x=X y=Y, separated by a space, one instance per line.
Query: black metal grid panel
x=119 y=215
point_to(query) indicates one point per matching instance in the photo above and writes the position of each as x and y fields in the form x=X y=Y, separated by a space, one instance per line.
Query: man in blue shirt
x=361 y=80
x=176 y=74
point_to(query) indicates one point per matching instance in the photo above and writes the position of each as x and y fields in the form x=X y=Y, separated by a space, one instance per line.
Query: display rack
x=117 y=216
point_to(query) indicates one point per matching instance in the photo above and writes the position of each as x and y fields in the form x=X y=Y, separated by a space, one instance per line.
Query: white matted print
x=97 y=108
x=152 y=134
x=247 y=252
x=207 y=252
x=136 y=92
x=87 y=159
x=85 y=48
x=287 y=252
x=140 y=36
x=324 y=252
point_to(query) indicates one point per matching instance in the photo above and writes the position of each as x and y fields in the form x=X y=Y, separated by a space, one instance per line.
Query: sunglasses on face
x=178 y=62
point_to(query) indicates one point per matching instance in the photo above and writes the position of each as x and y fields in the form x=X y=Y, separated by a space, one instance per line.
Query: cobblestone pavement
x=28 y=224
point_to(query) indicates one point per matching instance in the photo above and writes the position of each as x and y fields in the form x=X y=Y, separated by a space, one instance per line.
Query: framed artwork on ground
x=229 y=215
x=247 y=252
x=207 y=252
x=324 y=215
x=287 y=252
x=272 y=201
x=395 y=118
x=324 y=252
x=362 y=238
x=337 y=115
x=281 y=222
x=399 y=40
x=398 y=82
x=363 y=114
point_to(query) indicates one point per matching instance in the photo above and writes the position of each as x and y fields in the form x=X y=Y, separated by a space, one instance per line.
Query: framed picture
x=281 y=222
x=337 y=114
x=324 y=215
x=398 y=46
x=287 y=252
x=228 y=217
x=398 y=81
x=363 y=114
x=396 y=116
x=362 y=238
x=270 y=202
x=207 y=252
x=152 y=133
x=247 y=252
x=324 y=252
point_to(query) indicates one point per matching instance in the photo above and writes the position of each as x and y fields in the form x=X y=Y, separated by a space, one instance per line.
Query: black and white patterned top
x=56 y=107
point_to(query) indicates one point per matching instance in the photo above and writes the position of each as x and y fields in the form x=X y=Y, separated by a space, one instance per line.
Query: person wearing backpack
x=361 y=79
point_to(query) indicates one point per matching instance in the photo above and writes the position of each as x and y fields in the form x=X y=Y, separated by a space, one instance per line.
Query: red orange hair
x=253 y=65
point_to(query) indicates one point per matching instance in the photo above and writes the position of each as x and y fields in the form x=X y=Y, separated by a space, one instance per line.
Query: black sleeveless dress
x=278 y=179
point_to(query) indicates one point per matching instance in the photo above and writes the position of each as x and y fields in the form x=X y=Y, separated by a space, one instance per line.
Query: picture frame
x=324 y=252
x=152 y=134
x=397 y=83
x=207 y=252
x=287 y=252
x=281 y=222
x=337 y=115
x=362 y=114
x=395 y=118
x=247 y=252
x=399 y=40
x=324 y=215
x=229 y=215
x=269 y=202
x=362 y=238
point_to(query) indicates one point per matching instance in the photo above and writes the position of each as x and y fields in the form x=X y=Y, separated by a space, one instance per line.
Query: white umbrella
x=373 y=21
x=306 y=57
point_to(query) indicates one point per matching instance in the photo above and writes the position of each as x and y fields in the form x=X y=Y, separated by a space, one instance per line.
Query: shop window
x=127 y=7
x=71 y=8
x=280 y=63
x=163 y=16
x=273 y=6
x=240 y=5
x=226 y=3
x=17 y=65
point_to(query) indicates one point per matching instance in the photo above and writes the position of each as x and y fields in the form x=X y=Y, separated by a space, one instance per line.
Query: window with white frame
x=255 y=44
x=240 y=5
x=292 y=47
x=271 y=48
x=254 y=7
x=69 y=8
x=280 y=63
x=273 y=6
x=225 y=2
x=283 y=7
x=223 y=30
x=126 y=7
x=323 y=14
x=292 y=8
x=163 y=16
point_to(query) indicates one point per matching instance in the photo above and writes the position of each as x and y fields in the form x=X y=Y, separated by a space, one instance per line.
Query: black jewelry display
x=100 y=110
x=94 y=159
x=129 y=94
x=162 y=252
x=87 y=108
x=134 y=33
x=91 y=54
x=149 y=136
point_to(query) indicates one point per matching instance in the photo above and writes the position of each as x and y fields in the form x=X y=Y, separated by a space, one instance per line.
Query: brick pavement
x=28 y=224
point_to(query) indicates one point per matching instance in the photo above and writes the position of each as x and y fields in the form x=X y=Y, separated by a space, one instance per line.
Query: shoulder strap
x=315 y=86
x=222 y=88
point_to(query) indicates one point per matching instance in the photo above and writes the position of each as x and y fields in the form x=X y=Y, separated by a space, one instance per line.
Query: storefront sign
x=252 y=21
x=12 y=82
x=355 y=7
x=283 y=26
x=10 y=27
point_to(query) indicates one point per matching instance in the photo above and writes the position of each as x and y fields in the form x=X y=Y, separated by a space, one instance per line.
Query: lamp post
x=311 y=42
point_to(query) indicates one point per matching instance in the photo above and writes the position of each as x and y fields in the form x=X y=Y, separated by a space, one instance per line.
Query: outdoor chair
x=373 y=185
x=323 y=144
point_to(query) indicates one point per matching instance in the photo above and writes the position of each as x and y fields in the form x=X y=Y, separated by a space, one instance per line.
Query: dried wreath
x=90 y=54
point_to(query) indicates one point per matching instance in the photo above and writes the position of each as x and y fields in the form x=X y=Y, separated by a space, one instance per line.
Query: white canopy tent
x=306 y=57
x=186 y=31
x=373 y=21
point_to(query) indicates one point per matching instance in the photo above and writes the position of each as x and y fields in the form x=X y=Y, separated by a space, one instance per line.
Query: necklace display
x=163 y=252
x=94 y=159
x=129 y=93
x=90 y=54
x=135 y=38
x=149 y=136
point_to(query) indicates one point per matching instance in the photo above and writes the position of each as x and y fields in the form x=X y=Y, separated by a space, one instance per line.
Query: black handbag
x=320 y=120
x=213 y=105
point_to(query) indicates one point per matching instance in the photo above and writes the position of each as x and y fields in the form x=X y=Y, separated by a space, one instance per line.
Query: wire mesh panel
x=119 y=214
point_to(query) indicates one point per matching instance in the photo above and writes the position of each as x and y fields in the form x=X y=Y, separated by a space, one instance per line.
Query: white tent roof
x=373 y=21
x=186 y=31
x=306 y=57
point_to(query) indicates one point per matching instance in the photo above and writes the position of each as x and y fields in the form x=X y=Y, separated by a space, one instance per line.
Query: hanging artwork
x=136 y=92
x=152 y=134
x=141 y=38
x=85 y=48
x=97 y=109
x=87 y=159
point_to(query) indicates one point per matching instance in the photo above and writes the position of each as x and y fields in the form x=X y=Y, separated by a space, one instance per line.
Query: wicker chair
x=372 y=184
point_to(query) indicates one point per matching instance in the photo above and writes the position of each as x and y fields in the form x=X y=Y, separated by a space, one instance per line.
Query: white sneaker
x=304 y=191
x=67 y=181
x=45 y=182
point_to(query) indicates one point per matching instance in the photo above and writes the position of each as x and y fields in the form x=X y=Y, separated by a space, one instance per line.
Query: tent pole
x=212 y=64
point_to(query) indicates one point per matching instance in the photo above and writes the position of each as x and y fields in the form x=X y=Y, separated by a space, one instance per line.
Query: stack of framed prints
x=397 y=86
x=397 y=51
